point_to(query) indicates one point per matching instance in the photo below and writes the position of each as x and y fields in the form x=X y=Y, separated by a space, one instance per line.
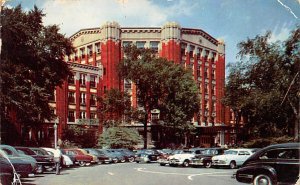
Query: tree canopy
x=162 y=85
x=31 y=64
x=264 y=85
x=119 y=137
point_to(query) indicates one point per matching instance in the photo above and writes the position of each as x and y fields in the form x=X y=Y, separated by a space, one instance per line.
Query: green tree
x=79 y=137
x=31 y=65
x=119 y=137
x=264 y=85
x=161 y=85
x=115 y=107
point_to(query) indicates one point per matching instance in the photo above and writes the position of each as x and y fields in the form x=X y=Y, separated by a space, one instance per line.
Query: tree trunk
x=145 y=130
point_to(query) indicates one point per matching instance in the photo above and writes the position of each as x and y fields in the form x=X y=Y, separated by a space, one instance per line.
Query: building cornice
x=84 y=32
x=199 y=32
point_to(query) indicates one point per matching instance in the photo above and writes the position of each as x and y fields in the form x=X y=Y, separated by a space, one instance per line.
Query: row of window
x=82 y=115
x=82 y=98
x=82 y=80
x=87 y=51
x=191 y=49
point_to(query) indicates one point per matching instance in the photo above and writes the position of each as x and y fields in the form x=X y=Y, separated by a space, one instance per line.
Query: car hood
x=178 y=156
x=222 y=157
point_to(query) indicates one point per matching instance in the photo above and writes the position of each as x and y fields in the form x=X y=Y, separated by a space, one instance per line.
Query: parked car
x=184 y=159
x=81 y=158
x=128 y=155
x=232 y=158
x=148 y=155
x=24 y=165
x=205 y=158
x=165 y=158
x=95 y=158
x=112 y=156
x=272 y=165
x=43 y=161
x=48 y=160
x=116 y=154
x=6 y=170
x=102 y=158
x=67 y=161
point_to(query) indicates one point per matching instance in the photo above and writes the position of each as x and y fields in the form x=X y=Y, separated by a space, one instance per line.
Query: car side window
x=242 y=153
x=247 y=153
x=8 y=152
x=281 y=154
x=289 y=154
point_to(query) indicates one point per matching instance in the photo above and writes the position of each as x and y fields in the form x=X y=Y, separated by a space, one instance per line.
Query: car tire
x=162 y=164
x=232 y=165
x=123 y=161
x=115 y=160
x=262 y=179
x=81 y=163
x=131 y=159
x=186 y=163
x=207 y=165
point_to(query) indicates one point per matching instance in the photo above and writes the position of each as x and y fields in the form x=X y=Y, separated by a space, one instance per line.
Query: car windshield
x=27 y=151
x=208 y=152
x=230 y=152
x=40 y=151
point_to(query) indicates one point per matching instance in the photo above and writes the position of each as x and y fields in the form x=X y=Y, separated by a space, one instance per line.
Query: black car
x=43 y=161
x=6 y=171
x=147 y=155
x=128 y=154
x=205 y=158
x=271 y=165
x=103 y=159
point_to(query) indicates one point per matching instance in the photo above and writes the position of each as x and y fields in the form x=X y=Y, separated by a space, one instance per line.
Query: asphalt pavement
x=135 y=174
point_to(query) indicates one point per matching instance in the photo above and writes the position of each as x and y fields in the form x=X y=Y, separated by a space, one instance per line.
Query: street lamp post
x=55 y=132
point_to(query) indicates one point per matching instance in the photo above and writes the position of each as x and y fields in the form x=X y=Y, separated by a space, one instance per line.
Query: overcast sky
x=231 y=20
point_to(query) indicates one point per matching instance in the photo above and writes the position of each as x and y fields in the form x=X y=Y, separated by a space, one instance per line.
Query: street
x=135 y=174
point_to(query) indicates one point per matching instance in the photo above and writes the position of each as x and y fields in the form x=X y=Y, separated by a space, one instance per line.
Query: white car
x=232 y=158
x=66 y=159
x=183 y=159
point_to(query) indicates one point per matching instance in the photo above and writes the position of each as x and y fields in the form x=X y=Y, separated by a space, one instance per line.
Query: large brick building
x=99 y=50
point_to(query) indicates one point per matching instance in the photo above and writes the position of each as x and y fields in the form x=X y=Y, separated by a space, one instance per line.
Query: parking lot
x=135 y=174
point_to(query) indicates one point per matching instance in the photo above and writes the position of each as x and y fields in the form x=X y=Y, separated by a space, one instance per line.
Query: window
x=126 y=43
x=82 y=79
x=213 y=57
x=127 y=84
x=93 y=115
x=199 y=53
x=154 y=45
x=213 y=74
x=82 y=115
x=82 y=52
x=90 y=50
x=82 y=98
x=71 y=116
x=281 y=154
x=71 y=97
x=93 y=99
x=191 y=53
x=140 y=44
x=75 y=55
x=97 y=48
x=182 y=51
x=206 y=55
x=71 y=79
x=104 y=71
x=52 y=97
x=93 y=81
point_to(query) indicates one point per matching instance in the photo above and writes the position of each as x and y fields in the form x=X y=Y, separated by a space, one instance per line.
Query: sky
x=231 y=20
